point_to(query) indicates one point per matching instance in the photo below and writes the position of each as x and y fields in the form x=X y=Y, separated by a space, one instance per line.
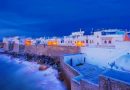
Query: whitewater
x=18 y=74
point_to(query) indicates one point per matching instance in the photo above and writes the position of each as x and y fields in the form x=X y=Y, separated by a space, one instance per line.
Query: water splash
x=26 y=76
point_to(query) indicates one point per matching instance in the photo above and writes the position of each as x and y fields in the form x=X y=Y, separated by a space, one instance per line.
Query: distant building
x=8 y=43
x=108 y=37
x=127 y=36
x=75 y=39
x=13 y=44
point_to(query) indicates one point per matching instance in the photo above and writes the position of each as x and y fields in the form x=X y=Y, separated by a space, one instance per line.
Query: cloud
x=59 y=17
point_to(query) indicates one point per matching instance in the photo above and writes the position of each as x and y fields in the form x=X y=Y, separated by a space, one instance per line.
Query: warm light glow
x=126 y=37
x=28 y=42
x=79 y=43
x=53 y=43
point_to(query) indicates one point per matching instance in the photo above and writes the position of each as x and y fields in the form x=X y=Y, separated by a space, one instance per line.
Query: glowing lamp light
x=79 y=44
x=126 y=37
x=28 y=43
x=49 y=43
x=55 y=43
x=52 y=43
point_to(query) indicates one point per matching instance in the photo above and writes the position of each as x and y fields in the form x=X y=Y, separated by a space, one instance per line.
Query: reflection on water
x=16 y=75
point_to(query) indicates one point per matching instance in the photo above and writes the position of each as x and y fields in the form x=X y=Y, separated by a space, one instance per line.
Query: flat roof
x=118 y=75
x=91 y=73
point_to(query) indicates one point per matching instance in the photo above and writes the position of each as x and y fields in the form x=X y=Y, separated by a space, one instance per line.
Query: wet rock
x=43 y=67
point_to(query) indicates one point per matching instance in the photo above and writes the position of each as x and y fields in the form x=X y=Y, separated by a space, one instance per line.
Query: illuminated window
x=28 y=42
x=79 y=44
x=52 y=43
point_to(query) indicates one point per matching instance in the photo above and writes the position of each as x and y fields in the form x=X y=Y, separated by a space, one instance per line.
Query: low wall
x=75 y=59
x=86 y=85
x=75 y=85
x=51 y=50
x=107 y=83
x=68 y=72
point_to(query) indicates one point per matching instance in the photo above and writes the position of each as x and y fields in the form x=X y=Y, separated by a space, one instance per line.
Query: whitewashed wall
x=76 y=59
x=102 y=56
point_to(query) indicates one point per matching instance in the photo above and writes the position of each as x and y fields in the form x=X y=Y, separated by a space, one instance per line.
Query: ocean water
x=17 y=75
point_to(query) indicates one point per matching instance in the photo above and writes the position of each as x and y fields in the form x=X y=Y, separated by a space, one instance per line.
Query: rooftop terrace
x=91 y=73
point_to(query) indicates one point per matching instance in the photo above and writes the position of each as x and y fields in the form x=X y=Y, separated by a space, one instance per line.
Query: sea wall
x=51 y=50
x=41 y=49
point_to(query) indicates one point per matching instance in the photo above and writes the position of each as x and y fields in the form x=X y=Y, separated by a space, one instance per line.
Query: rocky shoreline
x=41 y=60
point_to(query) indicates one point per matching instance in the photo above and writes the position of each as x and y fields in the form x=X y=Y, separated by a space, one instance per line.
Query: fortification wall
x=51 y=50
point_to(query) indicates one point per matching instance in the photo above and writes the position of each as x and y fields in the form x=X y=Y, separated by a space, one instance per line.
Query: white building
x=108 y=37
x=75 y=39
x=108 y=46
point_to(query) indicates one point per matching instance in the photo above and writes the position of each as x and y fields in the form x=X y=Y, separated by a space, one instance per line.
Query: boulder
x=43 y=67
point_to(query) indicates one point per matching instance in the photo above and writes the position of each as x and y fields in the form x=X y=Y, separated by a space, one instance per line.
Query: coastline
x=26 y=76
x=34 y=62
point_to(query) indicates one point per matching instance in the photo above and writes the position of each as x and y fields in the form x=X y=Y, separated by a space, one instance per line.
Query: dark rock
x=43 y=67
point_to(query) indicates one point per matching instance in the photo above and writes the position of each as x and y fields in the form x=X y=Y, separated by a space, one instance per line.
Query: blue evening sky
x=61 y=17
